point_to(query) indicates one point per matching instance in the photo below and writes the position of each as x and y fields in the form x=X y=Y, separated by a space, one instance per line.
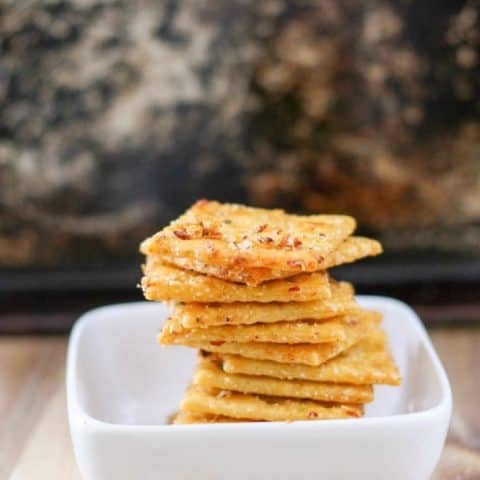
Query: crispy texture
x=350 y=250
x=235 y=235
x=302 y=331
x=209 y=374
x=201 y=315
x=171 y=283
x=187 y=418
x=368 y=362
x=237 y=405
x=303 y=353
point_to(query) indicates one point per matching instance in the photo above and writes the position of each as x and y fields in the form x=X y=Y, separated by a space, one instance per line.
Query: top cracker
x=246 y=237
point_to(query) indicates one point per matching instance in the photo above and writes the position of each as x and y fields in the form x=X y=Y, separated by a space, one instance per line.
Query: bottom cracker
x=237 y=405
x=187 y=418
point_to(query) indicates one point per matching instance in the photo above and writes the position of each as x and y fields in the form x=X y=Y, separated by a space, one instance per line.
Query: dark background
x=115 y=116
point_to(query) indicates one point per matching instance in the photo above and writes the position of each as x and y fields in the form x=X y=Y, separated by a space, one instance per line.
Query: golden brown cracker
x=200 y=315
x=210 y=375
x=171 y=283
x=187 y=418
x=302 y=331
x=350 y=250
x=303 y=353
x=228 y=234
x=254 y=407
x=367 y=362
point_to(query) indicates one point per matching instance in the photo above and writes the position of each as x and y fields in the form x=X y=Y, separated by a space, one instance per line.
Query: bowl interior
x=123 y=377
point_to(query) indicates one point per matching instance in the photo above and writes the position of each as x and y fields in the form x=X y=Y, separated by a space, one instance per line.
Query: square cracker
x=301 y=331
x=303 y=353
x=350 y=250
x=187 y=418
x=209 y=374
x=254 y=407
x=236 y=235
x=201 y=315
x=367 y=362
x=170 y=283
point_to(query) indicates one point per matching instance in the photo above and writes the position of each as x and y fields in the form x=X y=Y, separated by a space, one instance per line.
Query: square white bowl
x=122 y=386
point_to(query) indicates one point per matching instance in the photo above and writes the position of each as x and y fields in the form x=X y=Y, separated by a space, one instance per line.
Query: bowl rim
x=79 y=418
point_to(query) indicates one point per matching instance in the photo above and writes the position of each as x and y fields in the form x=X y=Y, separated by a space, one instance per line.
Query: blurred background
x=117 y=115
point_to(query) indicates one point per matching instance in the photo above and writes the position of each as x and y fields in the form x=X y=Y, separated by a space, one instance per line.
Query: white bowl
x=122 y=386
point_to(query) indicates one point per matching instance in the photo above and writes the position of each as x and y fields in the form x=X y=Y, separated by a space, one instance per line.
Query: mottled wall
x=115 y=115
x=374 y=108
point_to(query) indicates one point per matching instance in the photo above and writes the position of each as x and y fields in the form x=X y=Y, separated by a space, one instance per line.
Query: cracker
x=367 y=362
x=235 y=235
x=254 y=407
x=350 y=250
x=303 y=353
x=301 y=331
x=187 y=418
x=209 y=374
x=171 y=283
x=201 y=315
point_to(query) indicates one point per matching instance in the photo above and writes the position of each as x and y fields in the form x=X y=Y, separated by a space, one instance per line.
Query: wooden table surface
x=34 y=438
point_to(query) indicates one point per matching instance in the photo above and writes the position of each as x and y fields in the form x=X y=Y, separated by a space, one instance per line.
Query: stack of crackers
x=278 y=339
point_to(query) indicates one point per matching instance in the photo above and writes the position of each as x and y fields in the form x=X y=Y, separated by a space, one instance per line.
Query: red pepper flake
x=261 y=228
x=312 y=414
x=217 y=343
x=295 y=288
x=182 y=234
x=211 y=233
x=202 y=202
x=265 y=239
x=290 y=242
x=294 y=263
x=352 y=413
x=351 y=321
x=284 y=242
x=238 y=260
